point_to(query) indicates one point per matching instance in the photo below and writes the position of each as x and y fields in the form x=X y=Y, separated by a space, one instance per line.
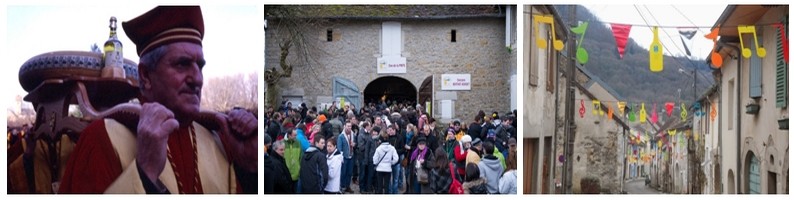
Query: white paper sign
x=455 y=81
x=391 y=65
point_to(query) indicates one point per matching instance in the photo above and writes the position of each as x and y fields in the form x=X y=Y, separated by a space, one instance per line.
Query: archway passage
x=731 y=183
x=426 y=91
x=390 y=89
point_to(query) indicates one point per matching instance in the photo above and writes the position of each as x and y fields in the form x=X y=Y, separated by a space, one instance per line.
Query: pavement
x=637 y=186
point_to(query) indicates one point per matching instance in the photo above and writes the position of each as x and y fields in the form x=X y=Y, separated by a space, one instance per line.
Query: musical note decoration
x=581 y=109
x=656 y=52
x=622 y=107
x=658 y=144
x=671 y=132
x=784 y=39
x=541 y=42
x=695 y=136
x=760 y=51
x=643 y=114
x=713 y=113
x=683 y=112
x=716 y=58
x=581 y=53
x=597 y=108
x=654 y=116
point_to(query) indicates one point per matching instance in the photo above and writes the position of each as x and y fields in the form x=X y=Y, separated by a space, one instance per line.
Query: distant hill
x=630 y=77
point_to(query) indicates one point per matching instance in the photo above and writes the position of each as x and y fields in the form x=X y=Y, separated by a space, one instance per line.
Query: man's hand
x=243 y=127
x=155 y=125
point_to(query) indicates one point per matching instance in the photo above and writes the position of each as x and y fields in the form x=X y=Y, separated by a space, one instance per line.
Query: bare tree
x=224 y=93
x=295 y=28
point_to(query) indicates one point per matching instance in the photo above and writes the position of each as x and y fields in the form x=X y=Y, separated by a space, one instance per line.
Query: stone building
x=753 y=119
x=452 y=60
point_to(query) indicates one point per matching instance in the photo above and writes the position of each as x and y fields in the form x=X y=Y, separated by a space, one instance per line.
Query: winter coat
x=398 y=142
x=449 y=147
x=361 y=145
x=460 y=159
x=274 y=129
x=293 y=154
x=326 y=130
x=426 y=165
x=440 y=180
x=344 y=147
x=477 y=186
x=475 y=130
x=313 y=172
x=336 y=127
x=491 y=170
x=301 y=137
x=501 y=157
x=507 y=184
x=269 y=175
x=484 y=131
x=282 y=179
x=473 y=156
x=385 y=156
x=334 y=161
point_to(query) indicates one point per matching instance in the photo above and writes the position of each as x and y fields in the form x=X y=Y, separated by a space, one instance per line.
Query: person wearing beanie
x=326 y=128
x=172 y=150
x=421 y=159
x=461 y=153
x=490 y=167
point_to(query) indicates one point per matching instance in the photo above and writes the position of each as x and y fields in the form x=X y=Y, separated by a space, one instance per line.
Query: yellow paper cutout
x=671 y=132
x=659 y=144
x=643 y=114
x=760 y=51
x=597 y=108
x=622 y=107
x=541 y=42
x=656 y=52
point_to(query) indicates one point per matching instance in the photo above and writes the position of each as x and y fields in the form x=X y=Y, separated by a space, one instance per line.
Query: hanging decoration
x=687 y=134
x=581 y=109
x=541 y=42
x=581 y=53
x=643 y=114
x=656 y=52
x=784 y=38
x=669 y=108
x=610 y=112
x=654 y=116
x=671 y=132
x=632 y=117
x=760 y=51
x=696 y=136
x=716 y=58
x=621 y=34
x=683 y=112
x=597 y=108
x=658 y=144
x=696 y=108
x=686 y=38
x=713 y=113
x=622 y=107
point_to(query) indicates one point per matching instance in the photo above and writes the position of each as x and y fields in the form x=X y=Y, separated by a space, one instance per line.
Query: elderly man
x=168 y=151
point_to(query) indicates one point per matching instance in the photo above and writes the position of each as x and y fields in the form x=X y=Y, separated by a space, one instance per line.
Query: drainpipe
x=552 y=185
x=739 y=188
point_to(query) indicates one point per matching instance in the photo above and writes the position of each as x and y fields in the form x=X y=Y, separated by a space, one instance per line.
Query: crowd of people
x=386 y=148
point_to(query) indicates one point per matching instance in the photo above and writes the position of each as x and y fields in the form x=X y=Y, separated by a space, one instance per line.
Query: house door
x=754 y=174
x=344 y=88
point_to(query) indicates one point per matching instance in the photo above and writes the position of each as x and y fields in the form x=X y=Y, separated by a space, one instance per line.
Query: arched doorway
x=426 y=92
x=752 y=170
x=390 y=89
x=731 y=182
x=717 y=179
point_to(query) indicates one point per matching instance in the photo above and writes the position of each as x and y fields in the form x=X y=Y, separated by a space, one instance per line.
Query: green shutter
x=781 y=79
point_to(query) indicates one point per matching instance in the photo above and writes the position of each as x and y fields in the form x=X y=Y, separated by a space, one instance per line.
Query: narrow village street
x=637 y=186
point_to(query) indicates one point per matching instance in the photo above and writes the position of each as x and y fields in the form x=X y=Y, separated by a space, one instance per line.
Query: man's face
x=293 y=135
x=348 y=128
x=280 y=151
x=390 y=131
x=320 y=144
x=177 y=79
x=378 y=120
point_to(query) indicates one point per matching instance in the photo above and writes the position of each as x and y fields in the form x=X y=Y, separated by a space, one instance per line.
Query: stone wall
x=479 y=51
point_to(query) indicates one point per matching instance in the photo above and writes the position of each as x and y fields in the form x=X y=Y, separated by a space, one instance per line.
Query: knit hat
x=321 y=118
x=476 y=141
x=466 y=138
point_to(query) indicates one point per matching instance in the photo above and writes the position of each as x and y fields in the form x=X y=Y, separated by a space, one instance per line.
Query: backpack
x=455 y=187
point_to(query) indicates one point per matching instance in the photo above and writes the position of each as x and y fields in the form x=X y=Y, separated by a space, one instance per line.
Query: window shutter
x=781 y=80
x=755 y=72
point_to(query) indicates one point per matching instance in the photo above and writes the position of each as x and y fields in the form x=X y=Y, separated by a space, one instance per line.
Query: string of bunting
x=621 y=31
x=637 y=112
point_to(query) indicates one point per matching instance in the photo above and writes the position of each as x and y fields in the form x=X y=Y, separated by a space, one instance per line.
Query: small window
x=454 y=35
x=329 y=35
